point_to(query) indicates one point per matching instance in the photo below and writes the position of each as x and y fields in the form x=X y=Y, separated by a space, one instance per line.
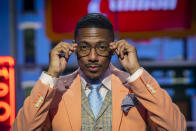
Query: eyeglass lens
x=101 y=49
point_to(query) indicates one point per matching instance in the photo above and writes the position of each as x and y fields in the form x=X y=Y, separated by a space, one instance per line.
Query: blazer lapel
x=72 y=99
x=118 y=94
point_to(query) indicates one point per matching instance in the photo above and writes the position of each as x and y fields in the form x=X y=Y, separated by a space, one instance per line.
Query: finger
x=61 y=50
x=65 y=52
x=74 y=43
x=70 y=47
x=113 y=45
x=119 y=45
x=74 y=46
x=121 y=49
x=71 y=50
x=117 y=51
x=66 y=45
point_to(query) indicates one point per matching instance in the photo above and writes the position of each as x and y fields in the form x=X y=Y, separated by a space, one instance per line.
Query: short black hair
x=94 y=20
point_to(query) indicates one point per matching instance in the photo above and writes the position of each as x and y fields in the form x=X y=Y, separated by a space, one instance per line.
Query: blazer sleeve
x=35 y=110
x=162 y=113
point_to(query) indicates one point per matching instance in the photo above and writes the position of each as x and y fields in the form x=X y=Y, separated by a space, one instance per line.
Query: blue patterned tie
x=95 y=99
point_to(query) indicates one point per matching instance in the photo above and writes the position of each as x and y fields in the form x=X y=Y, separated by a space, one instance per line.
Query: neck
x=94 y=81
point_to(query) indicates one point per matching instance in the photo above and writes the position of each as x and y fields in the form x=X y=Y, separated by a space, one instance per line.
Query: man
x=97 y=96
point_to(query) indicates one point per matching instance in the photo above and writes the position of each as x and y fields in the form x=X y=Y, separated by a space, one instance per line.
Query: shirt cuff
x=48 y=80
x=135 y=75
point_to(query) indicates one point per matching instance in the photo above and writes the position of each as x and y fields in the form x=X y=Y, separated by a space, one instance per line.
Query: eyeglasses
x=102 y=49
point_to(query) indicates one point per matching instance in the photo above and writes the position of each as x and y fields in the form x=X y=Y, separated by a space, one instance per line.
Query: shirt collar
x=105 y=78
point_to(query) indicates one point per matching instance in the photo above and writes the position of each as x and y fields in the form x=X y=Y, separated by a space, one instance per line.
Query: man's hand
x=127 y=55
x=58 y=62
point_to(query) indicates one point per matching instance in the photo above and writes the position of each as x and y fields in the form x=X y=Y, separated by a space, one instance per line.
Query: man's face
x=93 y=64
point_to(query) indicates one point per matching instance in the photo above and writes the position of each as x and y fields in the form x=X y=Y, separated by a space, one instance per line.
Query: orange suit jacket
x=59 y=108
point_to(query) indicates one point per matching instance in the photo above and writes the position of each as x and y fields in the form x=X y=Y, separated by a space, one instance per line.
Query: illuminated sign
x=7 y=92
x=133 y=5
x=129 y=17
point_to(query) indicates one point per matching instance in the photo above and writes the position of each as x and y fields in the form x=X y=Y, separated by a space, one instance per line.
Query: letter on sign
x=7 y=92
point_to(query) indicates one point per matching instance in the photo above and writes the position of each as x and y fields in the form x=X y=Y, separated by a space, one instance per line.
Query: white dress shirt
x=105 y=79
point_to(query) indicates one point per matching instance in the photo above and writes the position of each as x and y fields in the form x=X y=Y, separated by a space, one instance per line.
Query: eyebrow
x=83 y=42
x=102 y=41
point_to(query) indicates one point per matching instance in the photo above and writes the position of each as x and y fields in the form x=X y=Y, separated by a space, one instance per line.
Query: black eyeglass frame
x=109 y=51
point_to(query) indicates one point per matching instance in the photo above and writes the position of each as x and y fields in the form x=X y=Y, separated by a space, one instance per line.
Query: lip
x=93 y=68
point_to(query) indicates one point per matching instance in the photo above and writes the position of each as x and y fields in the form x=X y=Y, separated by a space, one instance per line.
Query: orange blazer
x=59 y=108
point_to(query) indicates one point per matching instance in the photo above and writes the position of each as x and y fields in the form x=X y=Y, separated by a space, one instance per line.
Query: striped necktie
x=95 y=99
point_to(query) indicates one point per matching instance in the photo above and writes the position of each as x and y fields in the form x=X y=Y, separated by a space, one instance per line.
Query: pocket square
x=128 y=102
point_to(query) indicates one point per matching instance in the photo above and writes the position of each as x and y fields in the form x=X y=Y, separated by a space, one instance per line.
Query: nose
x=93 y=55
